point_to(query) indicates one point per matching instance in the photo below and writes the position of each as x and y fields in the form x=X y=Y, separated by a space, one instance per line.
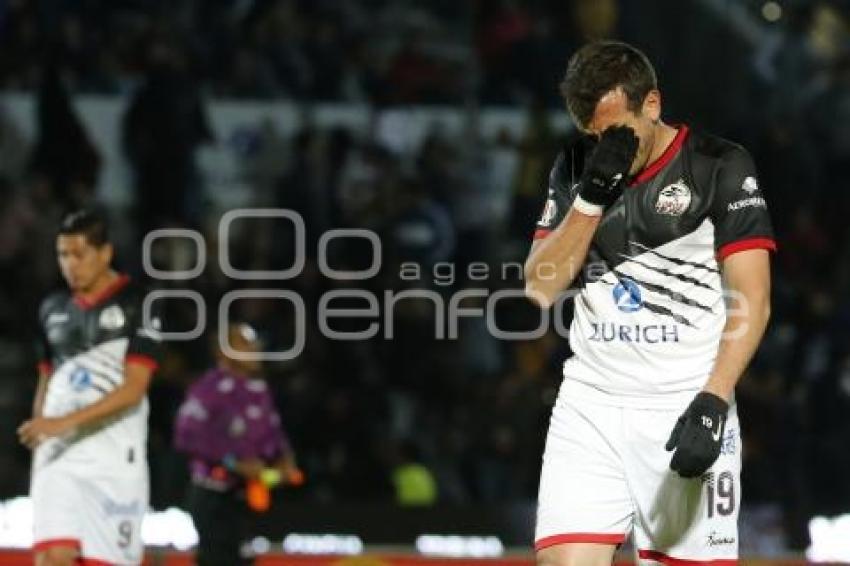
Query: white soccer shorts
x=99 y=515
x=606 y=475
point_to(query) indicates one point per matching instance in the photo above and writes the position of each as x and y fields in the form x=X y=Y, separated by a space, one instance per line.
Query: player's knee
x=552 y=557
x=58 y=556
x=544 y=559
x=575 y=555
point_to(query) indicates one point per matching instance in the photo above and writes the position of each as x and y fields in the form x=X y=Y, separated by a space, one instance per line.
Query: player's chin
x=75 y=284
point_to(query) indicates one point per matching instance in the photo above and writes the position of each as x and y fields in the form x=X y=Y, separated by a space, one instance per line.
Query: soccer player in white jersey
x=663 y=233
x=89 y=426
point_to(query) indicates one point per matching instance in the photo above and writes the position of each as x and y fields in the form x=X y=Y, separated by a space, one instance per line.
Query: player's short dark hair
x=600 y=67
x=86 y=222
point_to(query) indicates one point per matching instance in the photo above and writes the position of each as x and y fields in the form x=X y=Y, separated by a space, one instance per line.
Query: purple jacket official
x=226 y=415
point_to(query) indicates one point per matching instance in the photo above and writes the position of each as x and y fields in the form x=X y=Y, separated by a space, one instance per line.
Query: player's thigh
x=583 y=495
x=683 y=518
x=113 y=509
x=577 y=554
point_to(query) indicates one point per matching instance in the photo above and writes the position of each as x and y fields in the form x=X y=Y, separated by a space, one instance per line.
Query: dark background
x=472 y=411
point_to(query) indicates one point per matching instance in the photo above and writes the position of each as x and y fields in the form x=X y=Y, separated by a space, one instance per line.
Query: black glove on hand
x=607 y=166
x=698 y=435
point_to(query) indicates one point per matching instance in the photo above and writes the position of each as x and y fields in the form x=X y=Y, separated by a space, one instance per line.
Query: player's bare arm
x=554 y=262
x=698 y=433
x=746 y=276
x=129 y=394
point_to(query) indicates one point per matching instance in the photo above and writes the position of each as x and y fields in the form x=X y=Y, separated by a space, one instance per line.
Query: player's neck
x=664 y=136
x=102 y=283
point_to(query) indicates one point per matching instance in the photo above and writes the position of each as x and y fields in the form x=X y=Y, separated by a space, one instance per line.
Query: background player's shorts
x=102 y=516
x=606 y=474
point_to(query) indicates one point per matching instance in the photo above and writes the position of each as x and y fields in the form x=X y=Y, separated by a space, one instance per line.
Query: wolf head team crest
x=674 y=199
x=112 y=318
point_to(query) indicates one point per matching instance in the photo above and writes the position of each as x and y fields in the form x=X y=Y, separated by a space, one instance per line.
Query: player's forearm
x=126 y=396
x=741 y=337
x=555 y=262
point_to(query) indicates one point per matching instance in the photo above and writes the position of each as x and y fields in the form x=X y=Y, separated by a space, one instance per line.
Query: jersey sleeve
x=560 y=196
x=739 y=210
x=145 y=345
x=43 y=356
x=41 y=347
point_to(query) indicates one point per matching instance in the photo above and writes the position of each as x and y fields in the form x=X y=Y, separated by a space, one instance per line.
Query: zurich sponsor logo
x=627 y=296
x=79 y=379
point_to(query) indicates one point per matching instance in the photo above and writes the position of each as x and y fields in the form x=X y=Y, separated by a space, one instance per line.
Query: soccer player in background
x=89 y=427
x=231 y=430
x=665 y=233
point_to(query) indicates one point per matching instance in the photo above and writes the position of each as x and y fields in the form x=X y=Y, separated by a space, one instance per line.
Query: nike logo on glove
x=716 y=435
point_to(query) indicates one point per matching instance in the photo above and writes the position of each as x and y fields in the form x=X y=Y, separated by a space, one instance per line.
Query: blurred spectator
x=537 y=149
x=164 y=125
x=63 y=157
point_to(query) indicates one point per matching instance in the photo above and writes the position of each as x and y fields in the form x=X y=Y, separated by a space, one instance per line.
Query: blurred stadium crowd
x=471 y=413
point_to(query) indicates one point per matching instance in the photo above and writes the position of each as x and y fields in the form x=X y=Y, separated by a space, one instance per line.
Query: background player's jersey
x=84 y=346
x=650 y=308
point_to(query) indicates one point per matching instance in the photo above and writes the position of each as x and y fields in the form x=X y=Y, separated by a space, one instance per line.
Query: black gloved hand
x=608 y=165
x=698 y=435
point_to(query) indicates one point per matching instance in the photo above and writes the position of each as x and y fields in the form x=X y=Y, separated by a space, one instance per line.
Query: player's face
x=612 y=110
x=81 y=263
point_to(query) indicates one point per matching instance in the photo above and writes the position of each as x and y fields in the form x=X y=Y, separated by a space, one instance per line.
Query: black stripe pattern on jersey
x=97 y=387
x=676 y=260
x=105 y=359
x=658 y=309
x=668 y=273
x=662 y=310
x=662 y=290
x=105 y=376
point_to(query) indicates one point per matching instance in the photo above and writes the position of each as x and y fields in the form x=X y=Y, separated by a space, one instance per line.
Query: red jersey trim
x=93 y=562
x=89 y=302
x=746 y=244
x=670 y=561
x=142 y=360
x=541 y=233
x=44 y=367
x=601 y=538
x=54 y=542
x=656 y=166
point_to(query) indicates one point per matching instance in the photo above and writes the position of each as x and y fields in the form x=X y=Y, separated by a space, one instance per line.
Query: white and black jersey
x=650 y=308
x=84 y=346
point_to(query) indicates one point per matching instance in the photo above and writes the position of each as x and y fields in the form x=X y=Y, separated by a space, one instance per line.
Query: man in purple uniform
x=230 y=429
